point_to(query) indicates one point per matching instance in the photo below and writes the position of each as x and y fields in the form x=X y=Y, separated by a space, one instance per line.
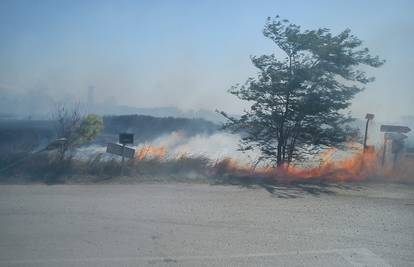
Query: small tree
x=74 y=129
x=298 y=101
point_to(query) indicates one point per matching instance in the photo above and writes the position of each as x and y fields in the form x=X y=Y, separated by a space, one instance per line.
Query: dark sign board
x=120 y=150
x=56 y=144
x=126 y=138
x=369 y=116
x=394 y=129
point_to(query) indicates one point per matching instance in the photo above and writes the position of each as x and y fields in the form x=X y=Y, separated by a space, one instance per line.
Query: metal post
x=366 y=135
x=384 y=150
x=394 y=163
x=369 y=117
x=122 y=163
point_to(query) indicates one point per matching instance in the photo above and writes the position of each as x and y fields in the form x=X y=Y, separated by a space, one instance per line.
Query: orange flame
x=152 y=152
x=354 y=168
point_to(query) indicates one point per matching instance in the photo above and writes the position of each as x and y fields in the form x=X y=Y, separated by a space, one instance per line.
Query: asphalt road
x=203 y=225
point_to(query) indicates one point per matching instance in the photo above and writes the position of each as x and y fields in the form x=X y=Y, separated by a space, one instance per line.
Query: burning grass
x=356 y=168
x=154 y=164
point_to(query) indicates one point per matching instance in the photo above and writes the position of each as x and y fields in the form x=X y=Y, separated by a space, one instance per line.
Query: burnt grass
x=44 y=169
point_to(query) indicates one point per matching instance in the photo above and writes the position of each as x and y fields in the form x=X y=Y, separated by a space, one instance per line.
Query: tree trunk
x=279 y=160
x=284 y=152
x=291 y=148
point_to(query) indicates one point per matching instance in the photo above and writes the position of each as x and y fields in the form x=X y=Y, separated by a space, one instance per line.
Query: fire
x=327 y=155
x=354 y=168
x=357 y=166
x=152 y=152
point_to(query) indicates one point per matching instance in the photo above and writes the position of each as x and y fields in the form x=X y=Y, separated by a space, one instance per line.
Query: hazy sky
x=188 y=53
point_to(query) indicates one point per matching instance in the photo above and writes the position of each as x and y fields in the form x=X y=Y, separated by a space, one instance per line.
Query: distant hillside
x=38 y=105
x=146 y=128
x=24 y=135
x=157 y=112
x=21 y=135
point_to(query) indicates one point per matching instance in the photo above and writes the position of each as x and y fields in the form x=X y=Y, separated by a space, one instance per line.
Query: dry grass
x=44 y=168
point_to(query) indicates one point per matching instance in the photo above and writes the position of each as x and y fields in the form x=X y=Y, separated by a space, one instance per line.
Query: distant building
x=91 y=95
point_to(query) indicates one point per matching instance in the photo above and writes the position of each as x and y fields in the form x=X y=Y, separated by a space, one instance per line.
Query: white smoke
x=215 y=147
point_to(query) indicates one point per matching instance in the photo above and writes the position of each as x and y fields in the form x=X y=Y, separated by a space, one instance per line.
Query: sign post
x=122 y=150
x=394 y=133
x=125 y=138
x=384 y=150
x=123 y=159
x=369 y=117
x=394 y=129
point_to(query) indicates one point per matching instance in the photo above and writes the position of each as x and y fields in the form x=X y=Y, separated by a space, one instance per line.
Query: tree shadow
x=289 y=189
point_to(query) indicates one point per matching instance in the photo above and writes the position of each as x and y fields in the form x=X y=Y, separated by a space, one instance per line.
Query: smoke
x=217 y=146
x=30 y=104
x=222 y=150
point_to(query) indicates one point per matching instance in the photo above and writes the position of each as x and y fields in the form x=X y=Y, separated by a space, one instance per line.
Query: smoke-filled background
x=117 y=57
x=177 y=59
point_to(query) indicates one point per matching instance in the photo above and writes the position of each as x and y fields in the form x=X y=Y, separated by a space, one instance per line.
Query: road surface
x=205 y=225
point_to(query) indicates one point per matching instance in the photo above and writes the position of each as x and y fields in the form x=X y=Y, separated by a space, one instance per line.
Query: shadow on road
x=290 y=189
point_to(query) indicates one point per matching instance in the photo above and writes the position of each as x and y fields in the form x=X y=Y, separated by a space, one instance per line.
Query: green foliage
x=299 y=101
x=75 y=129
x=90 y=127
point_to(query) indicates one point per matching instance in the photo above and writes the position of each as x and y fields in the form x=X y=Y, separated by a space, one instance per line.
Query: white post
x=123 y=156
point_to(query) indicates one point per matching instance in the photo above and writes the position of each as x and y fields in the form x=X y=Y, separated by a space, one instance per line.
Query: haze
x=186 y=53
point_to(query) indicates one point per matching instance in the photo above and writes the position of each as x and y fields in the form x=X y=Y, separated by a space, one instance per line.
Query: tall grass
x=45 y=167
